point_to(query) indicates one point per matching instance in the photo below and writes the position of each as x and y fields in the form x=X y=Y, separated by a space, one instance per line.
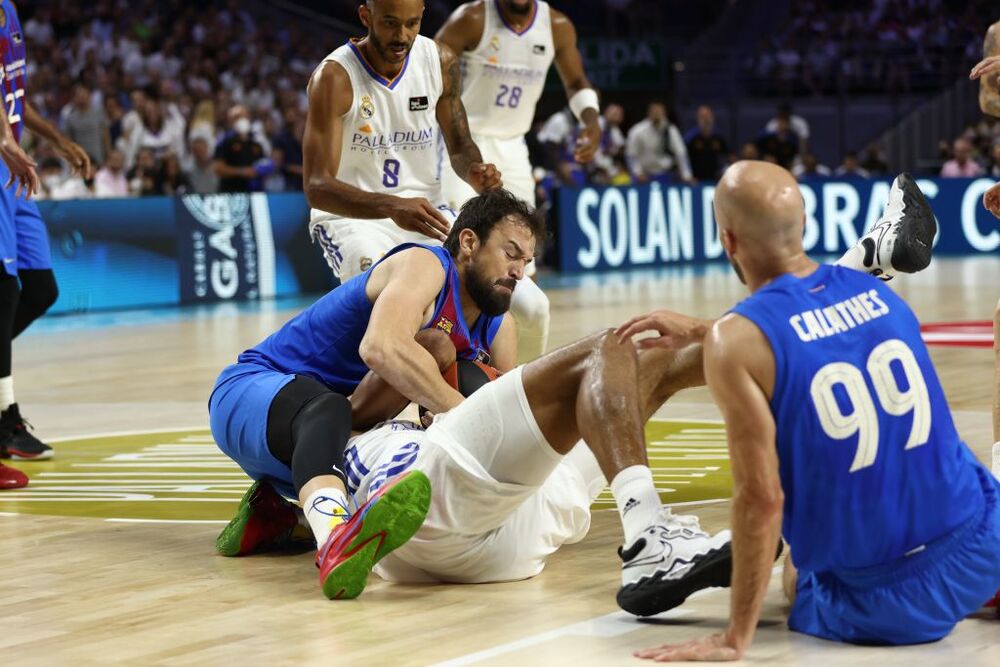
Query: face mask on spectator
x=242 y=126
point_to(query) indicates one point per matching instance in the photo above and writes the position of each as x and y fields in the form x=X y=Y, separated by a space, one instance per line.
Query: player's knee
x=439 y=345
x=320 y=432
x=530 y=307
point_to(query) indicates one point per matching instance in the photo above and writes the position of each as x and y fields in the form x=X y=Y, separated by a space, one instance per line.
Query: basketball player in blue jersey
x=506 y=48
x=840 y=440
x=282 y=410
x=27 y=284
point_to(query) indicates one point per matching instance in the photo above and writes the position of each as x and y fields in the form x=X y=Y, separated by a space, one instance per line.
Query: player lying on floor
x=840 y=439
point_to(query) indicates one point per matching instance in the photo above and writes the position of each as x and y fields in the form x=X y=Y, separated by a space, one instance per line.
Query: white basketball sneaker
x=669 y=561
x=900 y=241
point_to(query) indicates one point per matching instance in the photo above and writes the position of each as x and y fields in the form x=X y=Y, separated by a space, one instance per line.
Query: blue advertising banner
x=657 y=224
x=159 y=251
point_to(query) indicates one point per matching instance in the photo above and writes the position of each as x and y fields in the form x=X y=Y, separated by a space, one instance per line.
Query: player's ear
x=365 y=14
x=728 y=241
x=468 y=241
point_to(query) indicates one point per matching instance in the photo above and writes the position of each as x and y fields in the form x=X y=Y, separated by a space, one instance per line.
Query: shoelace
x=688 y=521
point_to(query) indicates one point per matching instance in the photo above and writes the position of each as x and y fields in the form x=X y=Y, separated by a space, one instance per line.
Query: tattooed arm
x=465 y=157
x=989 y=82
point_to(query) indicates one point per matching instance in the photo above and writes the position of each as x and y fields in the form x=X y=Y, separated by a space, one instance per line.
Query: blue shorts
x=24 y=241
x=237 y=412
x=916 y=599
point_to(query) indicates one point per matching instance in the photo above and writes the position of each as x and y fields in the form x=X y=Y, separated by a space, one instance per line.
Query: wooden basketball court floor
x=108 y=555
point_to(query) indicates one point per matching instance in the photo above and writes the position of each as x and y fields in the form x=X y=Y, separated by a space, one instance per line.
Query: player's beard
x=517 y=8
x=738 y=270
x=491 y=300
x=383 y=50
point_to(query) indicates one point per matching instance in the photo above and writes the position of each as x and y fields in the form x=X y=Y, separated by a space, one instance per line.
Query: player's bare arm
x=503 y=350
x=21 y=166
x=673 y=330
x=740 y=373
x=73 y=153
x=403 y=289
x=465 y=157
x=988 y=72
x=330 y=97
x=464 y=28
x=579 y=92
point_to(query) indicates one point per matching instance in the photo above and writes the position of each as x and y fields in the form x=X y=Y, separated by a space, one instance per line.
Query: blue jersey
x=14 y=70
x=870 y=461
x=322 y=341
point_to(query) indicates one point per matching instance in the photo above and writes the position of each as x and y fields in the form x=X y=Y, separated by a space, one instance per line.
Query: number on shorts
x=508 y=97
x=11 y=99
x=390 y=173
x=863 y=419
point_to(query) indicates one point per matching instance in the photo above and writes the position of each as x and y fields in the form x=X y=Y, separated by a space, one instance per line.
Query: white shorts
x=511 y=158
x=502 y=500
x=351 y=246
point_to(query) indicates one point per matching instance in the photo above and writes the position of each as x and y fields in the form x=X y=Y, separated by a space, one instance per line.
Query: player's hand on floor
x=587 y=144
x=416 y=214
x=484 y=177
x=991 y=200
x=714 y=648
x=22 y=169
x=673 y=330
x=78 y=159
x=986 y=67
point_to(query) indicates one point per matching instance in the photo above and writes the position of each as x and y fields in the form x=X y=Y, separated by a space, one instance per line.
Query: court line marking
x=218 y=521
x=114 y=434
x=610 y=625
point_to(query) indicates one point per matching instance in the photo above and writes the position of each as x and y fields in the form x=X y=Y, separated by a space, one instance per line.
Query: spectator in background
x=810 y=167
x=110 y=180
x=782 y=145
x=962 y=164
x=142 y=177
x=239 y=157
x=603 y=167
x=160 y=129
x=115 y=113
x=706 y=148
x=995 y=155
x=171 y=180
x=798 y=125
x=874 y=161
x=850 y=168
x=555 y=136
x=287 y=149
x=201 y=173
x=87 y=125
x=749 y=151
x=57 y=184
x=655 y=147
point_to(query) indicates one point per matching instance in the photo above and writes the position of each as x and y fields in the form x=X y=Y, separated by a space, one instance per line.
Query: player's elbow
x=377 y=354
x=759 y=504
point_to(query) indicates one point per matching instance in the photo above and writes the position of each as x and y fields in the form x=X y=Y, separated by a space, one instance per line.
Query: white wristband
x=584 y=99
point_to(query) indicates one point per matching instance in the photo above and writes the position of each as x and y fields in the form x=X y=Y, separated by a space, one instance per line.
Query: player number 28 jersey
x=13 y=67
x=503 y=77
x=390 y=132
x=871 y=463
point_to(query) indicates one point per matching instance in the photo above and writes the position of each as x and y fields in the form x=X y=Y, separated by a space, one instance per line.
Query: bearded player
x=506 y=48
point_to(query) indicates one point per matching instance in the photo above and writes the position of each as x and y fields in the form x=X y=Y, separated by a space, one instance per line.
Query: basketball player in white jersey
x=506 y=48
x=376 y=106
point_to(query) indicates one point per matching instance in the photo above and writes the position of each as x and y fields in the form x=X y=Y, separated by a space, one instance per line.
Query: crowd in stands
x=975 y=152
x=877 y=46
x=170 y=97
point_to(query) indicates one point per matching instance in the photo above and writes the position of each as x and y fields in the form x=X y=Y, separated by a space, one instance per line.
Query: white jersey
x=503 y=77
x=390 y=132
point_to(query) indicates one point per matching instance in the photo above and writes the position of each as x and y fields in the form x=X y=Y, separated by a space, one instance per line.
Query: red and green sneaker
x=264 y=520
x=386 y=522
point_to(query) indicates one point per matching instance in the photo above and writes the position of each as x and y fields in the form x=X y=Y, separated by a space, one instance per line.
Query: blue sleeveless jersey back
x=871 y=464
x=322 y=341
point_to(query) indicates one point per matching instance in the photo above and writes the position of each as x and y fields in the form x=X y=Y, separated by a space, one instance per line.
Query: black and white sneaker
x=16 y=441
x=669 y=561
x=900 y=241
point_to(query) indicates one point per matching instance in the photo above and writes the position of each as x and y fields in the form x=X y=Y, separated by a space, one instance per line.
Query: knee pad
x=320 y=432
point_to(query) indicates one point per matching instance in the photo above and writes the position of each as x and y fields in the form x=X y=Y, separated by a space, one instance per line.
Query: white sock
x=854 y=259
x=638 y=503
x=325 y=509
x=996 y=460
x=6 y=392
